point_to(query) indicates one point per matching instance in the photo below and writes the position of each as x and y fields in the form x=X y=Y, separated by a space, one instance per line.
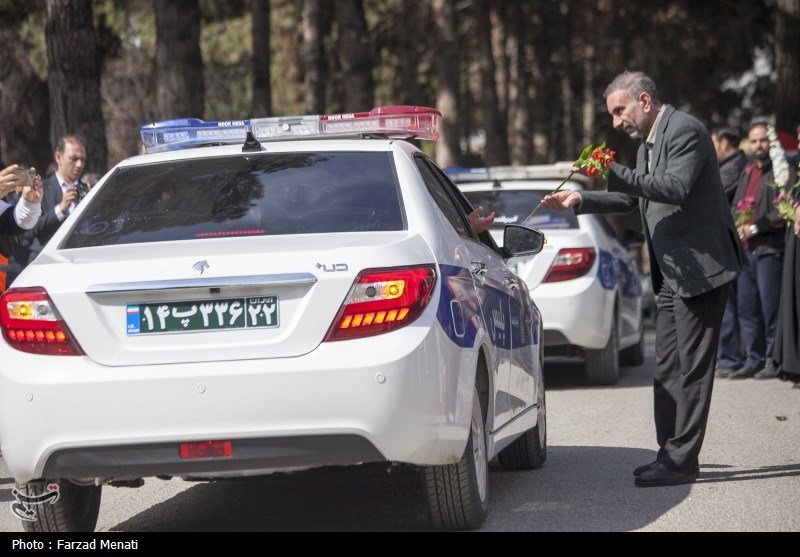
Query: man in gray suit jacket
x=694 y=255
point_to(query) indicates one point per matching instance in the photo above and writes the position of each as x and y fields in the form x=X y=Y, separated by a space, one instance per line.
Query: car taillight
x=570 y=263
x=383 y=300
x=31 y=323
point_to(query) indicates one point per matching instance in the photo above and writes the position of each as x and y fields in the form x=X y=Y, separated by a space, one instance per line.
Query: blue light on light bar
x=170 y=135
x=388 y=121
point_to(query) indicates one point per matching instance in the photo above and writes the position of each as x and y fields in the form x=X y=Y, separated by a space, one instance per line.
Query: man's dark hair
x=758 y=124
x=731 y=134
x=634 y=83
x=61 y=146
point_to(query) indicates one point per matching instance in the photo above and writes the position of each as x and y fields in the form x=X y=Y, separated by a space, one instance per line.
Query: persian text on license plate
x=176 y=317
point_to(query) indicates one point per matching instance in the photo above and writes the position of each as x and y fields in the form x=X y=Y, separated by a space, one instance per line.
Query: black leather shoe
x=724 y=372
x=639 y=470
x=769 y=372
x=745 y=373
x=660 y=475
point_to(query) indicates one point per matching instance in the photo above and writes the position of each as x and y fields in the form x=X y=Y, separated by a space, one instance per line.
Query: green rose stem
x=551 y=193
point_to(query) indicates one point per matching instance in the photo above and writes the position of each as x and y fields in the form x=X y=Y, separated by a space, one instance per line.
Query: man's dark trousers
x=687 y=336
x=759 y=288
x=729 y=352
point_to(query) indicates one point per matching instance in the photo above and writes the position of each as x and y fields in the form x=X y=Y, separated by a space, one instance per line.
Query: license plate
x=177 y=317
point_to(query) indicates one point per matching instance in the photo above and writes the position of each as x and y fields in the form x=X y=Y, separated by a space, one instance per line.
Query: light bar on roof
x=407 y=122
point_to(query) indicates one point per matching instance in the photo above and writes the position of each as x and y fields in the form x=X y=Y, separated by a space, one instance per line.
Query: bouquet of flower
x=784 y=201
x=744 y=210
x=597 y=162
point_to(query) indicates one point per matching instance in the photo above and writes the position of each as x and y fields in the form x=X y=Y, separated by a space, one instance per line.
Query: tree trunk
x=74 y=79
x=354 y=56
x=567 y=104
x=547 y=109
x=588 y=111
x=448 y=152
x=314 y=30
x=520 y=138
x=180 y=91
x=787 y=64
x=499 y=34
x=493 y=121
x=261 y=105
x=289 y=93
x=407 y=56
x=24 y=106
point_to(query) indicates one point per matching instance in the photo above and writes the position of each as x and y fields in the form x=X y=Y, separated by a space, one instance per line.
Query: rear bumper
x=406 y=398
x=138 y=461
x=578 y=313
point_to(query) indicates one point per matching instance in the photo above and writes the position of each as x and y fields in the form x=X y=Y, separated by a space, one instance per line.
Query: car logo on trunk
x=201 y=266
x=336 y=267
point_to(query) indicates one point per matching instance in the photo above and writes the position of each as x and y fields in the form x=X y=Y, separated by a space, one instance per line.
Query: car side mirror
x=521 y=240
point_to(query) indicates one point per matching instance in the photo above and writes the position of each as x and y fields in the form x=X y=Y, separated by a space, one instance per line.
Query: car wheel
x=602 y=366
x=74 y=510
x=458 y=494
x=634 y=355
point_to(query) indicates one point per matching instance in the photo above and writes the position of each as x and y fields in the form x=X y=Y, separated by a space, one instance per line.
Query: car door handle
x=511 y=282
x=478 y=269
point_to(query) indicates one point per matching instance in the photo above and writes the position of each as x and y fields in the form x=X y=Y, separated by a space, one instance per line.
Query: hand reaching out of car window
x=480 y=224
x=561 y=200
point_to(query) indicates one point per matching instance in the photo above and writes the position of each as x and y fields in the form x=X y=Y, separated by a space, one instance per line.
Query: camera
x=27 y=176
x=83 y=189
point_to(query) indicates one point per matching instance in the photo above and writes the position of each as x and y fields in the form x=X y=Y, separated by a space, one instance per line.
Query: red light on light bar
x=206 y=449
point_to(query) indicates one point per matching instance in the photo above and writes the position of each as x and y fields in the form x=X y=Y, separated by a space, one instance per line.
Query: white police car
x=585 y=281
x=270 y=295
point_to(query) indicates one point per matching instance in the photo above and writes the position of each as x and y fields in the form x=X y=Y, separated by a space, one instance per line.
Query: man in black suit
x=694 y=255
x=62 y=189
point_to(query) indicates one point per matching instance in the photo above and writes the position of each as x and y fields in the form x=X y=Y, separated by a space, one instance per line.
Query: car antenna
x=251 y=144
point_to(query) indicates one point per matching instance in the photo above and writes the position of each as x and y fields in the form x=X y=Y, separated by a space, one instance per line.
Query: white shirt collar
x=651 y=137
x=62 y=182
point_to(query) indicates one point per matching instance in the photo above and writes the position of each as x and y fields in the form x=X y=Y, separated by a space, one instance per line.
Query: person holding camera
x=63 y=189
x=20 y=208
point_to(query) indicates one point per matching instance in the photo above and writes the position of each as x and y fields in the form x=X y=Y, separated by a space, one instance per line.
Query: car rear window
x=247 y=195
x=514 y=206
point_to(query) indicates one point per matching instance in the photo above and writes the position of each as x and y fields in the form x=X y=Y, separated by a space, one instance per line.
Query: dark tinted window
x=514 y=206
x=247 y=195
x=438 y=191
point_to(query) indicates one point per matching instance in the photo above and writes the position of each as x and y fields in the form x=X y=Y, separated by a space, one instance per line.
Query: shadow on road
x=595 y=494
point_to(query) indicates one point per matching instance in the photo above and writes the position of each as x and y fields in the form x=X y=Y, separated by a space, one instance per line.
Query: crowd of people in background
x=59 y=192
x=761 y=324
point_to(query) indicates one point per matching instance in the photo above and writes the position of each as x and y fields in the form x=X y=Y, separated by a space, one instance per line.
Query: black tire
x=602 y=366
x=529 y=451
x=633 y=355
x=76 y=509
x=458 y=494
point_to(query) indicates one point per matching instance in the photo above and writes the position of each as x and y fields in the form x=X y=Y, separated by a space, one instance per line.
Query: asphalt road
x=749 y=482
